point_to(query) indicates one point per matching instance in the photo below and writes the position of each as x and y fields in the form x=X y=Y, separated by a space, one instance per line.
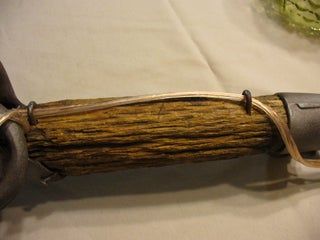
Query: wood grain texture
x=150 y=135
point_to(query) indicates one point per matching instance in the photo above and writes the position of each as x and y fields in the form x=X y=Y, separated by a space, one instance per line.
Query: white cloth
x=83 y=49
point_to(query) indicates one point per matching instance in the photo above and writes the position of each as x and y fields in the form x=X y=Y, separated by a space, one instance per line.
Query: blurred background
x=56 y=50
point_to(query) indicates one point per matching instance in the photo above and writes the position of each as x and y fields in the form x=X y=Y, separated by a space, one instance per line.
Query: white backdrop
x=83 y=49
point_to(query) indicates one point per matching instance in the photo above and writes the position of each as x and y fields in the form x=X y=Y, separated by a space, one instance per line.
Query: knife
x=86 y=136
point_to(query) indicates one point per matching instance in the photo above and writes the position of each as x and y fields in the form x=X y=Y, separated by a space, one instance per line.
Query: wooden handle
x=150 y=135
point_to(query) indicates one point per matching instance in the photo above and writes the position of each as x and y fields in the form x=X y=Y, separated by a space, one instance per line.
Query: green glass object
x=301 y=15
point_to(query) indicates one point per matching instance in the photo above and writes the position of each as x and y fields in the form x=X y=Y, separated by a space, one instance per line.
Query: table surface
x=84 y=49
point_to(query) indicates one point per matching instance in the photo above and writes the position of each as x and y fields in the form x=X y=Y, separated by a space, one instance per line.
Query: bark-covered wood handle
x=150 y=134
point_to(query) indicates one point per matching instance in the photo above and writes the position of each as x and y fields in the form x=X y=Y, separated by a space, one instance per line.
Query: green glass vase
x=300 y=15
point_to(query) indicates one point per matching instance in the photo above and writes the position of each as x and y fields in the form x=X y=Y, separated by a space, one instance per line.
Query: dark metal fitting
x=14 y=160
x=303 y=113
x=13 y=146
x=247 y=101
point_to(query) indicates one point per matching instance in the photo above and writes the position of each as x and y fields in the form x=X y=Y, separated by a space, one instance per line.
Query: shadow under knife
x=252 y=175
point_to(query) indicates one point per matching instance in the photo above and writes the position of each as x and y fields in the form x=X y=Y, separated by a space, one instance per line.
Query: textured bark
x=150 y=135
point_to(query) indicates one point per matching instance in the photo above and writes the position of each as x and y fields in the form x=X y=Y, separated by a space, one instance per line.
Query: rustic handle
x=150 y=134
